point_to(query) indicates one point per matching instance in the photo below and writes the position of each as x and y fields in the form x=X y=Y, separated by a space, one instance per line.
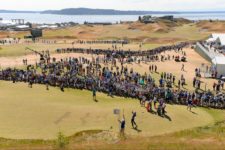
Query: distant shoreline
x=40 y=18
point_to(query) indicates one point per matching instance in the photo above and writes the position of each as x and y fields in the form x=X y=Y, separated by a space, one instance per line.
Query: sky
x=151 y=5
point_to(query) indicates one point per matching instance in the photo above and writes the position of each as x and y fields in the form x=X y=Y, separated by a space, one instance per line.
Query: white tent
x=219 y=64
x=221 y=40
x=4 y=23
x=22 y=27
x=213 y=37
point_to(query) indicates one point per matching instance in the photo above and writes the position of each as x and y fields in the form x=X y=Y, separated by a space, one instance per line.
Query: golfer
x=122 y=126
x=133 y=123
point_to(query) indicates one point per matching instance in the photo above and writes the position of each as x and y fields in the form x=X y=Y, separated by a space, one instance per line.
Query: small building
x=18 y=21
x=6 y=23
x=35 y=33
x=147 y=19
x=47 y=27
x=21 y=28
x=219 y=65
x=171 y=18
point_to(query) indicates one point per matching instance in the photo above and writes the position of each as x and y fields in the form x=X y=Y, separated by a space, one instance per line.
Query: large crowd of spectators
x=81 y=73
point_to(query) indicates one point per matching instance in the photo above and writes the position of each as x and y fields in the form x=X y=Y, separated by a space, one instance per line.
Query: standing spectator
x=94 y=94
x=182 y=68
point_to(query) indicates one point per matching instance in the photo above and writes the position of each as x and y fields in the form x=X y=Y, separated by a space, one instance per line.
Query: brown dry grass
x=214 y=26
x=164 y=31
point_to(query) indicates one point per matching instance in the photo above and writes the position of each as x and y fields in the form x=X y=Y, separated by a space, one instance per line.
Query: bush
x=61 y=141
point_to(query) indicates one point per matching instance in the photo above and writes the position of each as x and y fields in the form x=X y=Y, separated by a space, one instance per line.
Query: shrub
x=61 y=141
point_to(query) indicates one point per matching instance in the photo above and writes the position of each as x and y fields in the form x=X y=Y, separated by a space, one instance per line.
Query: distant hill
x=87 y=11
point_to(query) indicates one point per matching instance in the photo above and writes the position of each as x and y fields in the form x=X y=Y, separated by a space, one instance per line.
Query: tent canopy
x=220 y=37
x=221 y=40
x=219 y=60
x=219 y=63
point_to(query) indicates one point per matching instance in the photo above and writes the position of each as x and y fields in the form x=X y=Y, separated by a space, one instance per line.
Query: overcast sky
x=161 y=5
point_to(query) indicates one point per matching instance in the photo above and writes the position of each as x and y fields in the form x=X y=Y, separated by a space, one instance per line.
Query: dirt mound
x=161 y=30
x=83 y=32
x=183 y=21
x=160 y=26
x=6 y=34
x=143 y=27
x=212 y=26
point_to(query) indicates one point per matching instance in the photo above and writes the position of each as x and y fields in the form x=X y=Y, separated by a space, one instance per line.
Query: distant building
x=21 y=28
x=171 y=18
x=18 y=21
x=36 y=33
x=6 y=23
x=147 y=19
x=47 y=26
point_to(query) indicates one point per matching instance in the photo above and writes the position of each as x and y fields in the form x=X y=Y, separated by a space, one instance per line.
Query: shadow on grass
x=167 y=117
x=136 y=129
x=193 y=112
x=162 y=116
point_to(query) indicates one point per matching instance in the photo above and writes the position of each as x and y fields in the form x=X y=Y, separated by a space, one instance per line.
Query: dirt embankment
x=16 y=34
x=212 y=26
x=160 y=26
